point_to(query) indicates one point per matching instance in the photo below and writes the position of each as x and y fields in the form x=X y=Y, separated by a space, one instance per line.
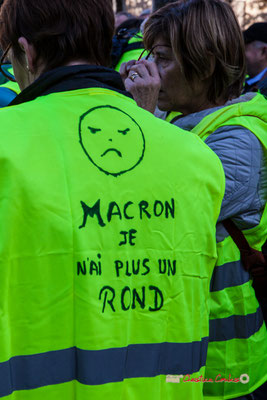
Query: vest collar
x=67 y=78
x=189 y=122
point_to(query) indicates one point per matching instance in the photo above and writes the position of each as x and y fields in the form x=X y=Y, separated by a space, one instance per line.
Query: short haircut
x=60 y=30
x=206 y=40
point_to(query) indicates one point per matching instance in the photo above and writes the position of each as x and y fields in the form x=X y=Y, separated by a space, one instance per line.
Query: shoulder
x=233 y=138
x=239 y=150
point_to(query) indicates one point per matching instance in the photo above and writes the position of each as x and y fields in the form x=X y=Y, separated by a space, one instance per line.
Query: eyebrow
x=123 y=130
x=162 y=48
x=162 y=51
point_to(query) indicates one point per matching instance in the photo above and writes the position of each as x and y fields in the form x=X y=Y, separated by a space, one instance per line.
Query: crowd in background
x=255 y=38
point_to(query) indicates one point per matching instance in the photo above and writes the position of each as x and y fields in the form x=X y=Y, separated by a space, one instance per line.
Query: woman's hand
x=142 y=80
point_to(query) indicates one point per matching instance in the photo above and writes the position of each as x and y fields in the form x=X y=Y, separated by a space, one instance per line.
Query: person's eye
x=161 y=58
x=93 y=130
x=164 y=58
x=124 y=131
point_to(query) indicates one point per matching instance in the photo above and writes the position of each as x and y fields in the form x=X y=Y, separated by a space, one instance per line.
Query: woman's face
x=175 y=93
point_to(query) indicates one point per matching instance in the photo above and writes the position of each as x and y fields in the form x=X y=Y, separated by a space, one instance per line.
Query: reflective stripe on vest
x=102 y=366
x=235 y=327
x=228 y=275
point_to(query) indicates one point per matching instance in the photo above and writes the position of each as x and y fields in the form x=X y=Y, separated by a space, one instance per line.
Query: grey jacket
x=245 y=168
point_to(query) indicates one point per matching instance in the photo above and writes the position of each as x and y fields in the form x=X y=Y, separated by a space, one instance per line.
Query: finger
x=141 y=70
x=125 y=68
x=151 y=68
x=123 y=72
x=129 y=65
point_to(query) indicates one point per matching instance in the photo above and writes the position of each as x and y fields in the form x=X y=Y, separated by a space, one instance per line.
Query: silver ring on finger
x=133 y=76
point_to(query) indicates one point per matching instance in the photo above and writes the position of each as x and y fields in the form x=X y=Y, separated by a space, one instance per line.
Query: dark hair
x=59 y=30
x=130 y=23
x=256 y=33
x=206 y=40
x=157 y=4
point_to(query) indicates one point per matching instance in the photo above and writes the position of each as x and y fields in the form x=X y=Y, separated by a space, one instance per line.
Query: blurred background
x=247 y=11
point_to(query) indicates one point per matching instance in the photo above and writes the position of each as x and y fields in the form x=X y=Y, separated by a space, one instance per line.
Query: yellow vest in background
x=12 y=86
x=131 y=54
x=238 y=335
x=9 y=84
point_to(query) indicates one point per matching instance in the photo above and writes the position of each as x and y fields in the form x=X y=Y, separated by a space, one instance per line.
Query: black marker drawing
x=112 y=140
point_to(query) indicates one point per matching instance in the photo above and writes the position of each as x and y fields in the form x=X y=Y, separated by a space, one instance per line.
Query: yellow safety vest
x=238 y=336
x=173 y=114
x=8 y=90
x=107 y=250
x=134 y=53
x=11 y=85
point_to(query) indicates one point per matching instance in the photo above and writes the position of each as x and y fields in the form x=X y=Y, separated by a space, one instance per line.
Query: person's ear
x=30 y=53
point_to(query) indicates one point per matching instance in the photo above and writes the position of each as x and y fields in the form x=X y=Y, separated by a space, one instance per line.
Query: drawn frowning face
x=111 y=139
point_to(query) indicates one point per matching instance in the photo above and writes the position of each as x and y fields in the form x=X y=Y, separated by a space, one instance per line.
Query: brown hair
x=206 y=40
x=59 y=30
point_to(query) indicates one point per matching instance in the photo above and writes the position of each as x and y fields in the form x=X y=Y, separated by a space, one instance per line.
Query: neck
x=41 y=68
x=204 y=105
x=79 y=62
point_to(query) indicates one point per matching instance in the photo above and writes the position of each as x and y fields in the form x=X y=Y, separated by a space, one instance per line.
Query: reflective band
x=235 y=327
x=228 y=275
x=101 y=366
